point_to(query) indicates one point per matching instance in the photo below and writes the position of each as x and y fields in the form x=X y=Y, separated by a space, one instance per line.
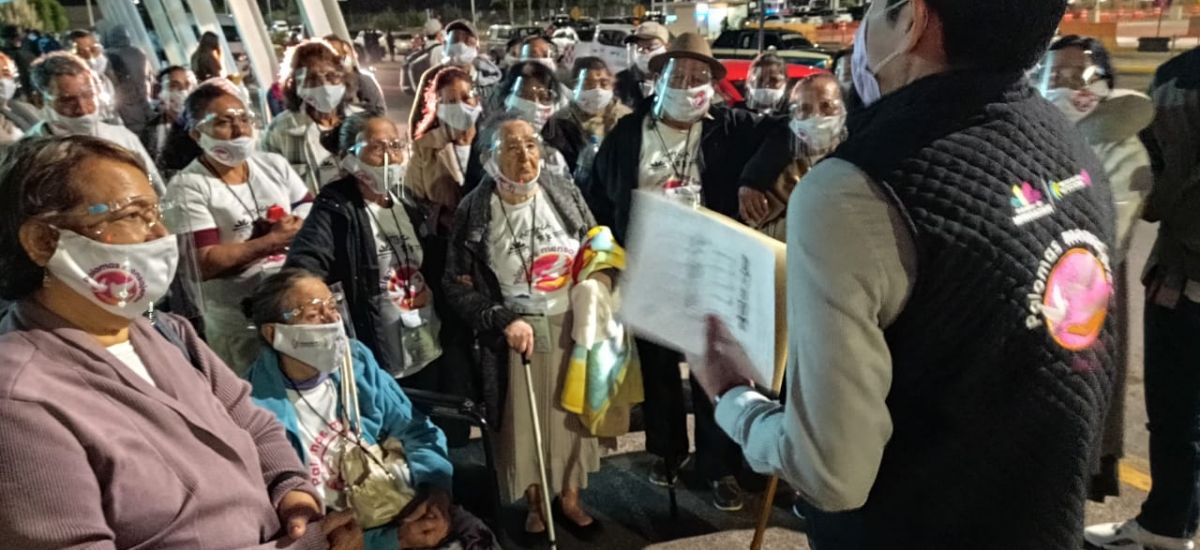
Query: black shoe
x=727 y=494
x=584 y=533
x=658 y=472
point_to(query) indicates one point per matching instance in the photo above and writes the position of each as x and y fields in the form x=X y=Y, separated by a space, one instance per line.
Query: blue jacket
x=386 y=411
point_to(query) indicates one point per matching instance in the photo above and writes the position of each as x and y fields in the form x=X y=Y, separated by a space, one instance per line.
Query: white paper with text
x=685 y=264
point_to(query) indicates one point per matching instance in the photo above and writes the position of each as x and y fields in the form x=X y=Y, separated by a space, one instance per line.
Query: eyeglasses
x=683 y=79
x=73 y=102
x=830 y=107
x=1074 y=78
x=315 y=311
x=515 y=146
x=225 y=122
x=393 y=148
x=132 y=216
x=312 y=79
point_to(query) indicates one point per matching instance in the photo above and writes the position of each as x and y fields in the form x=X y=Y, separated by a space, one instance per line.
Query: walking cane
x=541 y=452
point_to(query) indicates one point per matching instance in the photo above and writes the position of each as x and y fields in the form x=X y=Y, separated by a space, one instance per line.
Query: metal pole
x=529 y=12
x=512 y=20
x=541 y=453
x=474 y=17
x=91 y=14
x=1096 y=13
x=762 y=24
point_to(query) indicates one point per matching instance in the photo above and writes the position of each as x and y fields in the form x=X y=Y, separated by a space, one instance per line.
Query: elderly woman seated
x=299 y=376
x=121 y=432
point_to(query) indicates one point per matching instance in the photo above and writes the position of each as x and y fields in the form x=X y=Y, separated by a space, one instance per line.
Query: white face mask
x=532 y=112
x=688 y=105
x=594 y=101
x=8 y=88
x=866 y=81
x=124 y=279
x=549 y=63
x=508 y=184
x=325 y=99
x=172 y=100
x=99 y=63
x=322 y=347
x=463 y=154
x=381 y=179
x=819 y=134
x=77 y=125
x=764 y=98
x=228 y=152
x=461 y=54
x=642 y=60
x=1078 y=104
x=459 y=116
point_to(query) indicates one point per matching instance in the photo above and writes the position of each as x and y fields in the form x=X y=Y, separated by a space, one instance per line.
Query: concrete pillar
x=323 y=17
x=167 y=34
x=259 y=49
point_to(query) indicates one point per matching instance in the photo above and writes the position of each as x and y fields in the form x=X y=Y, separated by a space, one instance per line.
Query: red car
x=734 y=85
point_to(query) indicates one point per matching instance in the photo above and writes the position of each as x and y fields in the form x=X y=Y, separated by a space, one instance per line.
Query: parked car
x=607 y=43
x=403 y=42
x=792 y=47
x=499 y=35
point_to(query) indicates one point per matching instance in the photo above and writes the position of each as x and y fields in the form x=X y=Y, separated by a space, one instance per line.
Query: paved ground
x=635 y=513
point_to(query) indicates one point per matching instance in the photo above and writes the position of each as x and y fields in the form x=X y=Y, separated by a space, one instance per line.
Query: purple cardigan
x=94 y=457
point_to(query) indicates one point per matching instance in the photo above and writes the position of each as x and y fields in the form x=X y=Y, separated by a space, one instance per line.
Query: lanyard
x=253 y=198
x=673 y=157
x=527 y=266
x=404 y=250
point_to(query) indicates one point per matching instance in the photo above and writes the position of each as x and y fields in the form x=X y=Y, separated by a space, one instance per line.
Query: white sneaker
x=1131 y=536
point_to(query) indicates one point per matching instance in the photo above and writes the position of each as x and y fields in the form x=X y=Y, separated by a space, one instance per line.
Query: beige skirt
x=571 y=452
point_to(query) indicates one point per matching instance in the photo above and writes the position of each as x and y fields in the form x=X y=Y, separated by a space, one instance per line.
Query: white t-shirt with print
x=322 y=435
x=668 y=158
x=406 y=298
x=125 y=353
x=200 y=201
x=545 y=287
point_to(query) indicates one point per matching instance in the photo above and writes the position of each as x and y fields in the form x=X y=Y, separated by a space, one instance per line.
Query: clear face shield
x=640 y=51
x=817 y=119
x=119 y=255
x=533 y=101
x=684 y=91
x=766 y=88
x=77 y=111
x=593 y=91
x=228 y=136
x=516 y=158
x=380 y=164
x=1072 y=80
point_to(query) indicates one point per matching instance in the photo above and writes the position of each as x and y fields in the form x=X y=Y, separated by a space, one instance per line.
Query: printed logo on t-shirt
x=406 y=288
x=552 y=270
x=117 y=284
x=323 y=467
x=1071 y=293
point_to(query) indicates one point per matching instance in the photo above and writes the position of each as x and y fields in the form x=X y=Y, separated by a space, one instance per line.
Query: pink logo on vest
x=1076 y=299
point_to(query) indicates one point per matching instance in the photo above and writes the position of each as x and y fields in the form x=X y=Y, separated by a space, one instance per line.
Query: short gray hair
x=53 y=65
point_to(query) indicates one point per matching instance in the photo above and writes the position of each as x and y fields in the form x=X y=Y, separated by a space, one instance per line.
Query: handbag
x=377 y=488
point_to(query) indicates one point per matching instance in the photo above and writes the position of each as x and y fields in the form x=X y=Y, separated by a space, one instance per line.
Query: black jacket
x=337 y=245
x=628 y=87
x=737 y=149
x=996 y=403
x=471 y=286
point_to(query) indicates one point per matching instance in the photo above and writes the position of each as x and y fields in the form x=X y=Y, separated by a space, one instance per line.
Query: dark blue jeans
x=833 y=531
x=1173 y=407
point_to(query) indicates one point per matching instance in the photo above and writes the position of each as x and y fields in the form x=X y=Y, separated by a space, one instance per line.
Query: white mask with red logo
x=124 y=279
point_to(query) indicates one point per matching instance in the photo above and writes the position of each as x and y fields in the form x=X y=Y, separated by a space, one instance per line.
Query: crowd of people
x=213 y=323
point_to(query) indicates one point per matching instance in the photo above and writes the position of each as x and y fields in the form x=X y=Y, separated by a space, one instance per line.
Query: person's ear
x=922 y=25
x=268 y=332
x=39 y=241
x=194 y=134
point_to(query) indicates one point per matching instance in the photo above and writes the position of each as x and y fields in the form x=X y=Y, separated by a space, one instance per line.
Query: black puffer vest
x=1002 y=357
